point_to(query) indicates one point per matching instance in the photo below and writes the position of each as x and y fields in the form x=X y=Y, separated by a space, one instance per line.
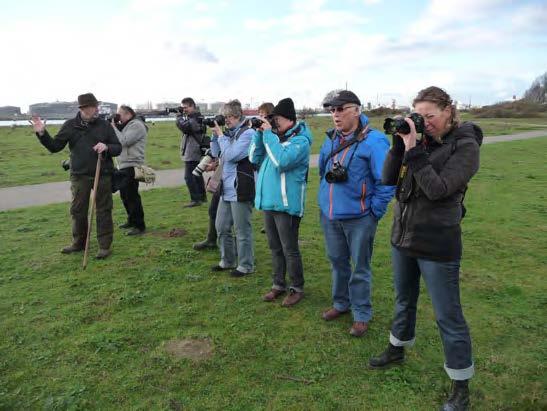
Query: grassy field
x=98 y=339
x=23 y=160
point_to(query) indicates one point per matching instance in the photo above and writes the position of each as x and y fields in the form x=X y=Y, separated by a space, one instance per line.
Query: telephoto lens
x=200 y=168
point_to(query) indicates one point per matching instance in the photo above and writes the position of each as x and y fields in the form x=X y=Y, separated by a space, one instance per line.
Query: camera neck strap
x=357 y=138
x=295 y=132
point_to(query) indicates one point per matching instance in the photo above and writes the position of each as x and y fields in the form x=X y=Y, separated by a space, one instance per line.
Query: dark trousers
x=196 y=185
x=81 y=186
x=282 y=232
x=442 y=281
x=213 y=207
x=131 y=199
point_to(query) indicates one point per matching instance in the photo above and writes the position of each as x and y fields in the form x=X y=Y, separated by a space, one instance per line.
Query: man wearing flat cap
x=352 y=200
x=87 y=137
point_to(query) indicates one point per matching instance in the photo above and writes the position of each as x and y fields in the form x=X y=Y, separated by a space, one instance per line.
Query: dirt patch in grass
x=193 y=349
x=172 y=233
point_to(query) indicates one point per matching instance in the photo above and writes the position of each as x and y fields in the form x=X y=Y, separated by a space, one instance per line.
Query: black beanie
x=285 y=108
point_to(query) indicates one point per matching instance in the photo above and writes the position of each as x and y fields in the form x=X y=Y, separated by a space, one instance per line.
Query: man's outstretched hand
x=38 y=124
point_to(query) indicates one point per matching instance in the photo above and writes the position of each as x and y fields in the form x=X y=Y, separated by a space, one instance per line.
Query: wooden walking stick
x=92 y=211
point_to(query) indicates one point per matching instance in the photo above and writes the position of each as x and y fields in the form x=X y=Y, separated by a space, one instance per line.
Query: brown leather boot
x=332 y=313
x=272 y=295
x=293 y=298
x=358 y=329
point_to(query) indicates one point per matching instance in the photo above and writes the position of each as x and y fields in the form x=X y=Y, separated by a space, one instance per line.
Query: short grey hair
x=232 y=108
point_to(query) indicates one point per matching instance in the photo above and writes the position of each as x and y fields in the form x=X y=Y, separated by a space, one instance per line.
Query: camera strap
x=357 y=138
x=295 y=132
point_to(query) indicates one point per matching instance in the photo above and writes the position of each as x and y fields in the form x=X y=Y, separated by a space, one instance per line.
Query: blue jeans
x=351 y=241
x=442 y=281
x=237 y=215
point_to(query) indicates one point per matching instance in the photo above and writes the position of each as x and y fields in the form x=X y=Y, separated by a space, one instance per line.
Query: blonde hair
x=441 y=99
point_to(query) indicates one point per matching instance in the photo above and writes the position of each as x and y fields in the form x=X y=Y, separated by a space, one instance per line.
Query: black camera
x=256 y=122
x=116 y=118
x=210 y=121
x=338 y=174
x=65 y=164
x=399 y=125
x=173 y=110
x=110 y=117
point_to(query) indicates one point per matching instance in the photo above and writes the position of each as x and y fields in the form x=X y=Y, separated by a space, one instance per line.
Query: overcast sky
x=135 y=51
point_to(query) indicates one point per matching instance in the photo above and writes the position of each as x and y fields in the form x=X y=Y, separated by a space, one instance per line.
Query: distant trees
x=307 y=112
x=537 y=93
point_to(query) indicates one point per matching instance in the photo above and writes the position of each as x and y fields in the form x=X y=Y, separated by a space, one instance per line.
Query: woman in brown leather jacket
x=431 y=175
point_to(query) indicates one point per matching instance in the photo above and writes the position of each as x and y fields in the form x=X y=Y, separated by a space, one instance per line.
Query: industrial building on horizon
x=66 y=109
x=10 y=111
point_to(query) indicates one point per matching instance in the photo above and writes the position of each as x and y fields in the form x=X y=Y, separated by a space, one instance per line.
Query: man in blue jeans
x=352 y=201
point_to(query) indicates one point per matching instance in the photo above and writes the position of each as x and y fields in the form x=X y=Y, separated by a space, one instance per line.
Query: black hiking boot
x=459 y=398
x=391 y=356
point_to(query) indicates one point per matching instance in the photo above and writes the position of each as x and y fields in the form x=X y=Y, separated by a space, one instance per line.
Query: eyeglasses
x=339 y=109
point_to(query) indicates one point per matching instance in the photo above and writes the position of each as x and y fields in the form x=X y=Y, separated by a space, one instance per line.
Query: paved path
x=50 y=193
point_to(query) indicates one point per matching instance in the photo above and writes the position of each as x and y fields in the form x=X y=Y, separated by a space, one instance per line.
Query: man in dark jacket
x=87 y=137
x=192 y=145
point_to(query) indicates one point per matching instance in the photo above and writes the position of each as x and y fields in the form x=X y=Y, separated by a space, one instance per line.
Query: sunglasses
x=339 y=109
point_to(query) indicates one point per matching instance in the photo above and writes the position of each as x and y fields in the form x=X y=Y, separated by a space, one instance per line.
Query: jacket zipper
x=403 y=225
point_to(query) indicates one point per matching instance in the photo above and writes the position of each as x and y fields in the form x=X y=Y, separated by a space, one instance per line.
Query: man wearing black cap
x=283 y=159
x=352 y=200
x=87 y=137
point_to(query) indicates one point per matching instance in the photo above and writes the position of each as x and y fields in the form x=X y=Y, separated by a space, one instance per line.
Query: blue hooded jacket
x=281 y=182
x=363 y=191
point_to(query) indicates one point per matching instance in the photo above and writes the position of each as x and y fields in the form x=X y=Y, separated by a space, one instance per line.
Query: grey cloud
x=196 y=52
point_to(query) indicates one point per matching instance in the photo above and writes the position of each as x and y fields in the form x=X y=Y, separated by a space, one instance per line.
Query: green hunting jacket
x=81 y=136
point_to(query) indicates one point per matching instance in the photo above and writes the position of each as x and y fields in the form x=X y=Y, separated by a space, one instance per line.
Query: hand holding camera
x=265 y=124
x=410 y=138
x=407 y=128
x=217 y=131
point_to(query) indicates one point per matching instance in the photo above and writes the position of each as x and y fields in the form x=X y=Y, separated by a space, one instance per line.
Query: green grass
x=73 y=339
x=23 y=160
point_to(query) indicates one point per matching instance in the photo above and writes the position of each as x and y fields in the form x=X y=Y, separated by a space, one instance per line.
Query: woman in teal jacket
x=283 y=161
